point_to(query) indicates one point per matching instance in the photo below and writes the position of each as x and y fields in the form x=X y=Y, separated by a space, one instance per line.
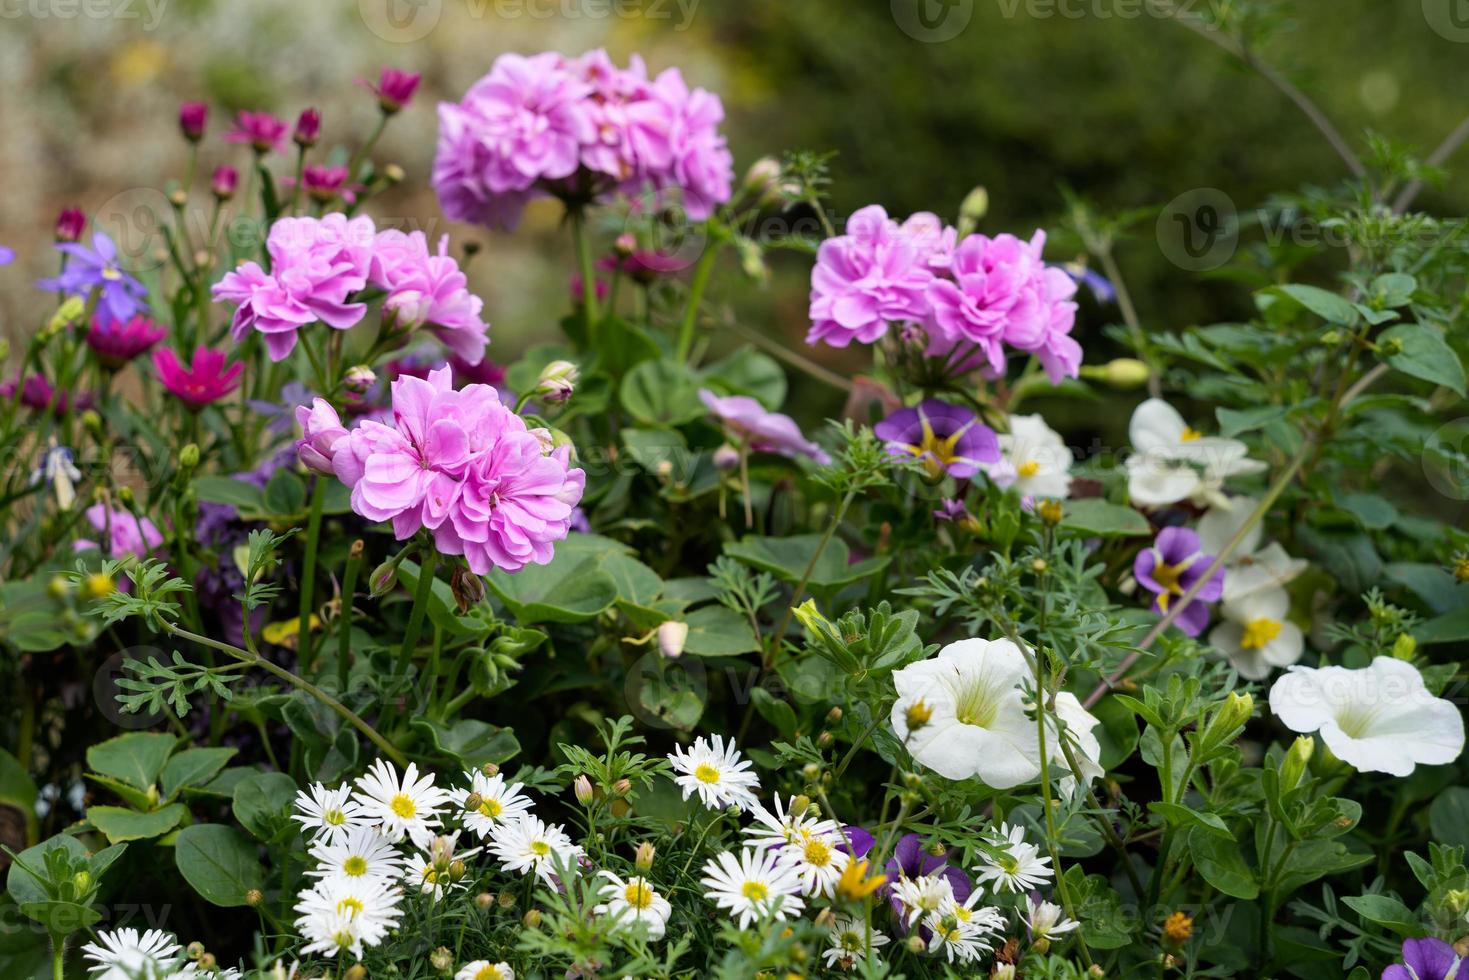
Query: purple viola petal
x=1176 y=544
x=856 y=841
x=1429 y=959
x=1142 y=569
x=1192 y=618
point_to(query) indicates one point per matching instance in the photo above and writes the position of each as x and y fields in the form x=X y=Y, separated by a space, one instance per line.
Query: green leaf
x=1233 y=423
x=661 y=393
x=135 y=758
x=1097 y=517
x=228 y=490
x=1220 y=863
x=1370 y=510
x=120 y=824
x=472 y=743
x=262 y=803
x=219 y=862
x=193 y=767
x=26 y=887
x=1329 y=306
x=718 y=631
x=1385 y=911
x=1449 y=628
x=571 y=589
x=748 y=372
x=285 y=494
x=1179 y=815
x=787 y=559
x=1448 y=817
x=1394 y=289
x=18 y=791
x=1425 y=355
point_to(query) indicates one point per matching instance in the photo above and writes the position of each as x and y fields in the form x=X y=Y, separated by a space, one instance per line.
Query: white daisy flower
x=1046 y=920
x=1380 y=718
x=485 y=970
x=440 y=869
x=785 y=826
x=713 y=768
x=756 y=884
x=1019 y=869
x=529 y=844
x=1255 y=634
x=126 y=954
x=958 y=929
x=328 y=813
x=850 y=942
x=820 y=861
x=499 y=803
x=634 y=900
x=921 y=896
x=338 y=914
x=1034 y=459
x=400 y=807
x=363 y=853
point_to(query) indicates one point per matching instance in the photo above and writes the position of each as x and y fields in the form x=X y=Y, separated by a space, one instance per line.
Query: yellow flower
x=855 y=884
x=1177 y=928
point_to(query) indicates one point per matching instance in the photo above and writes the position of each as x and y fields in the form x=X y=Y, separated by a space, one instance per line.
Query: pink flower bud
x=193 y=116
x=308 y=128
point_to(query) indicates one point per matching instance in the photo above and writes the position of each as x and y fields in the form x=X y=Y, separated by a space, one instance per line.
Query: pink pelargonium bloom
x=427 y=289
x=533 y=117
x=321 y=429
x=464 y=466
x=702 y=166
x=206 y=380
x=125 y=534
x=631 y=128
x=761 y=429
x=867 y=278
x=316 y=265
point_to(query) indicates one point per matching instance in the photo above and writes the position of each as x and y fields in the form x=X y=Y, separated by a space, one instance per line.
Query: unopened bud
x=726 y=458
x=224 y=182
x=643 y=858
x=762 y=180
x=467 y=587
x=557 y=382
x=394 y=174
x=972 y=209
x=1404 y=647
x=355 y=972
x=178 y=198
x=1294 y=766
x=195 y=950
x=189 y=457
x=810 y=772
x=383 y=578
x=834 y=715
x=582 y=787
x=441 y=959
x=915 y=943
x=531 y=919
x=208 y=961
x=506 y=900
x=308 y=128
x=456 y=870
x=824 y=740
x=622 y=787
x=254 y=897
x=672 y=636
x=483 y=901
x=473 y=802
x=490 y=770
x=626 y=244
x=359 y=379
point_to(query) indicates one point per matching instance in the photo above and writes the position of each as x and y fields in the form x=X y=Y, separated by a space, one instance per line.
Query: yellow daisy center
x=1028 y=468
x=705 y=773
x=355 y=866
x=638 y=894
x=403 y=806
x=351 y=907
x=1190 y=434
x=489 y=973
x=491 y=809
x=1259 y=632
x=343 y=939
x=755 y=891
x=817 y=852
x=540 y=848
x=429 y=875
x=334 y=817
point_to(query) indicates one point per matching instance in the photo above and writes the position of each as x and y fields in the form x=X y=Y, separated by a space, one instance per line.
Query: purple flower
x=324 y=183
x=121 y=296
x=762 y=430
x=395 y=89
x=125 y=535
x=701 y=164
x=316 y=264
x=934 y=240
x=37 y=393
x=910 y=860
x=261 y=130
x=1170 y=568
x=866 y=278
x=224 y=182
x=1097 y=284
x=948 y=438
x=429 y=289
x=117 y=342
x=7 y=255
x=1424 y=959
x=193 y=116
x=321 y=428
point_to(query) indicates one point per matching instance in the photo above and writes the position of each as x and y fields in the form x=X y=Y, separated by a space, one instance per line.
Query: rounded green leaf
x=219 y=862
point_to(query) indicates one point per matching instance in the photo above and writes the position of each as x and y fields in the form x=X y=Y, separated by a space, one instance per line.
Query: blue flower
x=7 y=255
x=121 y=296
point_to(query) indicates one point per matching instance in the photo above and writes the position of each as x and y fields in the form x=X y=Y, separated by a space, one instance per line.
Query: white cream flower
x=440 y=869
x=485 y=970
x=819 y=860
x=1046 y=920
x=363 y=853
x=401 y=807
x=957 y=929
x=961 y=713
x=1018 y=868
x=1172 y=462
x=1380 y=718
x=633 y=901
x=499 y=803
x=330 y=814
x=124 y=954
x=753 y=886
x=1250 y=568
x=850 y=942
x=1034 y=459
x=922 y=896
x=1085 y=747
x=714 y=769
x=344 y=915
x=1255 y=634
x=785 y=826
x=529 y=844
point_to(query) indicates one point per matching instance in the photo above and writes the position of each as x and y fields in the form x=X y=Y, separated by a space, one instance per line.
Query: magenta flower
x=206 y=380
x=316 y=264
x=37 y=393
x=465 y=467
x=1170 y=568
x=747 y=421
x=395 y=89
x=324 y=183
x=321 y=429
x=99 y=268
x=124 y=533
x=70 y=224
x=308 y=128
x=261 y=130
x=224 y=181
x=426 y=289
x=193 y=117
x=117 y=342
x=872 y=275
x=948 y=438
x=1425 y=959
x=631 y=128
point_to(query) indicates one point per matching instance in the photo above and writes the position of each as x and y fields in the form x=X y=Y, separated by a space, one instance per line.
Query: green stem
x=696 y=295
x=588 y=273
x=344 y=633
x=58 y=958
x=308 y=573
x=428 y=562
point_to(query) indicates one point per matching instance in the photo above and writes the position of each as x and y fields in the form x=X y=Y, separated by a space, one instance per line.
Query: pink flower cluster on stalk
x=582 y=128
x=457 y=463
x=979 y=299
x=319 y=265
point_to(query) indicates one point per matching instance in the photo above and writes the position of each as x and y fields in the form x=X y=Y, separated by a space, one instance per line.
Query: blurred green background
x=920 y=105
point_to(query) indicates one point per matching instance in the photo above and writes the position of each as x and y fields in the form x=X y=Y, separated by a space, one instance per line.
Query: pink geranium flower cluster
x=579 y=127
x=978 y=299
x=320 y=265
x=458 y=463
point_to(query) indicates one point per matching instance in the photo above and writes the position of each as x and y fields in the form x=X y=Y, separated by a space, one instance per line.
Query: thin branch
x=1441 y=153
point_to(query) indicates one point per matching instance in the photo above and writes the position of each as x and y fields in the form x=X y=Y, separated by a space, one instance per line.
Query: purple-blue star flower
x=120 y=295
x=948 y=438
x=1424 y=959
x=1170 y=568
x=7 y=255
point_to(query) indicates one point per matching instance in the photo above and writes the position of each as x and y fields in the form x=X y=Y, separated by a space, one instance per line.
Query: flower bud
x=671 y=638
x=178 y=197
x=810 y=617
x=915 y=944
x=456 y=870
x=506 y=900
x=394 y=174
x=308 y=128
x=355 y=972
x=582 y=787
x=224 y=182
x=1123 y=373
x=834 y=715
x=626 y=244
x=531 y=919
x=193 y=117
x=97 y=585
x=972 y=209
x=1050 y=511
x=726 y=458
x=643 y=858
x=622 y=787
x=483 y=901
x=473 y=802
x=468 y=588
x=490 y=770
x=441 y=959
x=194 y=950
x=1294 y=766
x=383 y=578
x=254 y=897
x=762 y=180
x=207 y=961
x=1006 y=971
x=824 y=740
x=1404 y=647
x=359 y=379
x=810 y=771
x=557 y=382
x=70 y=224
x=189 y=457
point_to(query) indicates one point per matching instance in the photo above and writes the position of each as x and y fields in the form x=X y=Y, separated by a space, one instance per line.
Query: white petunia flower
x=785 y=826
x=499 y=803
x=339 y=915
x=1255 y=634
x=363 y=853
x=485 y=970
x=1034 y=459
x=126 y=954
x=440 y=869
x=1172 y=462
x=1046 y=921
x=401 y=807
x=754 y=885
x=1084 y=745
x=633 y=901
x=330 y=814
x=849 y=942
x=714 y=769
x=1380 y=718
x=1020 y=868
x=922 y=896
x=529 y=844
x=1250 y=568
x=961 y=713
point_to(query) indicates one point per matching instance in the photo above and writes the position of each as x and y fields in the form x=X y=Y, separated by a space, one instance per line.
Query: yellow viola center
x=940 y=448
x=489 y=973
x=1259 y=632
x=540 y=848
x=705 y=773
x=111 y=274
x=637 y=894
x=1028 y=468
x=1190 y=434
x=335 y=818
x=1168 y=577
x=403 y=806
x=355 y=866
x=817 y=852
x=491 y=809
x=350 y=907
x=755 y=891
